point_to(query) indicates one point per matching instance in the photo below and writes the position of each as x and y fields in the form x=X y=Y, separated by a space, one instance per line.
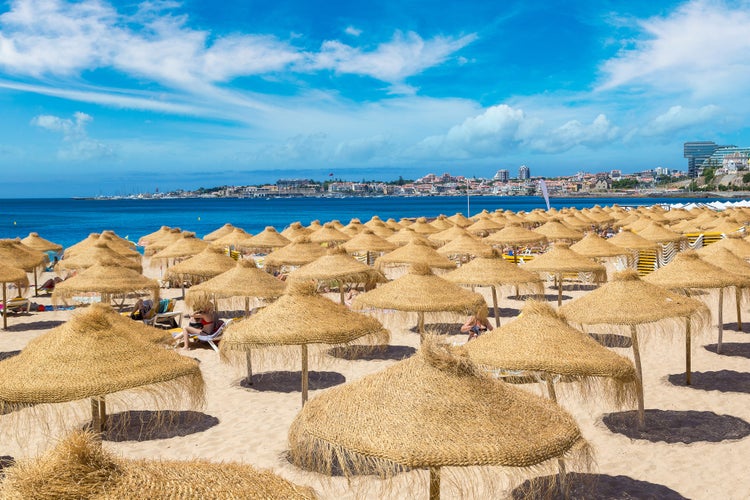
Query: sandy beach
x=250 y=424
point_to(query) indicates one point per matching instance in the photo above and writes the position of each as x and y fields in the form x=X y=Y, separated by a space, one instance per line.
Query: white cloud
x=76 y=143
x=351 y=30
x=680 y=118
x=701 y=47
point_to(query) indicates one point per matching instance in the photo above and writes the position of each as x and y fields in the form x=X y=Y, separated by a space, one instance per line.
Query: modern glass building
x=524 y=173
x=697 y=152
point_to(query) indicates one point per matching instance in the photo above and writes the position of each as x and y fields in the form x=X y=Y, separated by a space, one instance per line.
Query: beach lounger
x=210 y=339
x=17 y=305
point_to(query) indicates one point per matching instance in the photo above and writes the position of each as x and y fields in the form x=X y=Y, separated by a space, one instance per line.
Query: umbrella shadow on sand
x=722 y=380
x=146 y=425
x=36 y=325
x=612 y=340
x=5 y=461
x=673 y=426
x=505 y=312
x=440 y=328
x=289 y=381
x=386 y=352
x=8 y=354
x=579 y=486
x=548 y=297
x=739 y=349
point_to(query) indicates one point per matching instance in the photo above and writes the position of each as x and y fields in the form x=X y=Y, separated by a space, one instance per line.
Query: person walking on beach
x=477 y=324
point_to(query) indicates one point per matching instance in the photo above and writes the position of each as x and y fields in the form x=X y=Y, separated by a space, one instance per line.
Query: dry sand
x=250 y=424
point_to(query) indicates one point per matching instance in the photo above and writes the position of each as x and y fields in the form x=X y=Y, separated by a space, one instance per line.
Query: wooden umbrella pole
x=96 y=422
x=304 y=374
x=434 y=483
x=559 y=289
x=639 y=375
x=688 y=354
x=249 y=362
x=102 y=412
x=494 y=304
x=36 y=285
x=341 y=292
x=5 y=309
x=550 y=387
x=738 y=297
x=420 y=325
x=247 y=306
x=721 y=320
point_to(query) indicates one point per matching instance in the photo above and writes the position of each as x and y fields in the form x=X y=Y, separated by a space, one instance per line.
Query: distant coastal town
x=712 y=170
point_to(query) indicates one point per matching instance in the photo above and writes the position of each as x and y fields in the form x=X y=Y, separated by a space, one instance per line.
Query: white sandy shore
x=250 y=425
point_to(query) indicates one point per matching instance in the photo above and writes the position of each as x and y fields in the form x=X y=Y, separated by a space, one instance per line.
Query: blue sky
x=101 y=97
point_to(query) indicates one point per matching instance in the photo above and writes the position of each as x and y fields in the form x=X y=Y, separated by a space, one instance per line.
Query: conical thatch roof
x=375 y=221
x=726 y=226
x=541 y=341
x=658 y=233
x=10 y=274
x=561 y=259
x=96 y=353
x=493 y=271
x=368 y=241
x=78 y=467
x=421 y=226
x=295 y=230
x=266 y=240
x=631 y=241
x=13 y=254
x=218 y=233
x=152 y=237
x=421 y=291
x=593 y=245
x=407 y=235
x=298 y=253
x=536 y=216
x=393 y=224
x=688 y=270
x=415 y=252
x=243 y=280
x=447 y=235
x=354 y=227
x=36 y=242
x=405 y=417
x=186 y=246
x=460 y=220
x=210 y=262
x=442 y=223
x=734 y=243
x=337 y=265
x=173 y=235
x=311 y=319
x=628 y=300
x=88 y=241
x=466 y=245
x=122 y=246
x=315 y=225
x=328 y=234
x=483 y=227
x=113 y=280
x=555 y=230
x=231 y=239
x=99 y=253
x=719 y=256
x=514 y=234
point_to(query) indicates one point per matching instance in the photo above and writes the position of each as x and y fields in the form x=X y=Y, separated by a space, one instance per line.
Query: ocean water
x=67 y=221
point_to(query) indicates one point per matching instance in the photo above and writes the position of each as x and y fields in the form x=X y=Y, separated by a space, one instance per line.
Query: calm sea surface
x=67 y=221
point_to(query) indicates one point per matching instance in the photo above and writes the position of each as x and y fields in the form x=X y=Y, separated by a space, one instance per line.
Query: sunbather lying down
x=18 y=304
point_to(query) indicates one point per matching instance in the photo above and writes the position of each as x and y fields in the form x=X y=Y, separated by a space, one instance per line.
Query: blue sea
x=67 y=221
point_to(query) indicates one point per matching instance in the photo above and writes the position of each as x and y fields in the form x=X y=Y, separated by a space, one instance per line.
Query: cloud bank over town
x=245 y=94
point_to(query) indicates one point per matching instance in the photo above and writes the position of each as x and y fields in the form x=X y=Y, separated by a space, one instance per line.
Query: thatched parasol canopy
x=298 y=253
x=542 y=342
x=120 y=245
x=354 y=227
x=218 y=233
x=658 y=233
x=15 y=254
x=460 y=220
x=295 y=230
x=329 y=234
x=515 y=235
x=631 y=241
x=687 y=270
x=78 y=467
x=310 y=319
x=96 y=353
x=442 y=222
x=108 y=280
x=266 y=240
x=407 y=235
x=466 y=245
x=404 y=417
x=152 y=237
x=185 y=246
x=99 y=253
x=368 y=241
x=593 y=245
x=17 y=276
x=210 y=262
x=163 y=242
x=447 y=235
x=231 y=239
x=415 y=252
x=88 y=241
x=36 y=242
x=484 y=226
x=554 y=230
x=734 y=243
x=629 y=301
x=421 y=226
x=242 y=280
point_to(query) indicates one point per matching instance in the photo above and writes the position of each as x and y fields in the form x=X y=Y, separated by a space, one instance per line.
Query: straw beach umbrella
x=231 y=239
x=218 y=233
x=329 y=235
x=560 y=260
x=36 y=242
x=162 y=242
x=367 y=241
x=15 y=254
x=109 y=281
x=78 y=467
x=721 y=257
x=295 y=230
x=449 y=234
x=407 y=235
x=403 y=418
x=415 y=252
x=422 y=292
x=9 y=274
x=421 y=226
x=514 y=236
x=185 y=246
x=631 y=302
x=466 y=247
x=631 y=241
x=316 y=320
x=460 y=220
x=205 y=265
x=494 y=272
x=688 y=272
x=338 y=266
x=484 y=227
x=298 y=253
x=265 y=241
x=99 y=253
x=541 y=342
x=244 y=280
x=734 y=243
x=659 y=234
x=593 y=245
x=555 y=230
x=152 y=237
x=96 y=353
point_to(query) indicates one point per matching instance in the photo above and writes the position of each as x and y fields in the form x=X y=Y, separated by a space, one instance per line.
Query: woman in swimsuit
x=202 y=322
